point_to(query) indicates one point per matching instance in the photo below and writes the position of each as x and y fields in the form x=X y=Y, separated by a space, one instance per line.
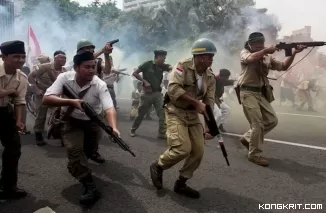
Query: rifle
x=120 y=71
x=287 y=47
x=113 y=42
x=214 y=131
x=67 y=91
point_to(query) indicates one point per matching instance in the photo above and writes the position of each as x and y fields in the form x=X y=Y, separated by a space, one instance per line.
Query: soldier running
x=191 y=81
x=151 y=93
x=13 y=87
x=92 y=150
x=43 y=76
x=78 y=127
x=256 y=94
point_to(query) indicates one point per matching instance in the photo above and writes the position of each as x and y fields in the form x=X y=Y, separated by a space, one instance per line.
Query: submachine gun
x=67 y=91
x=287 y=47
x=214 y=131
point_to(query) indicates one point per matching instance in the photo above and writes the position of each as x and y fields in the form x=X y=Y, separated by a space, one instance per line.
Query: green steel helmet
x=203 y=46
x=84 y=43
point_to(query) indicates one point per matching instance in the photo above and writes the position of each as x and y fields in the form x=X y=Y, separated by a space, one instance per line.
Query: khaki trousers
x=261 y=117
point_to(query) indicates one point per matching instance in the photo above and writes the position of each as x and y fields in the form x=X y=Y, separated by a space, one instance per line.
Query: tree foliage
x=179 y=22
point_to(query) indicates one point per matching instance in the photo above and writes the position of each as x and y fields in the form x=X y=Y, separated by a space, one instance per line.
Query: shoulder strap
x=71 y=109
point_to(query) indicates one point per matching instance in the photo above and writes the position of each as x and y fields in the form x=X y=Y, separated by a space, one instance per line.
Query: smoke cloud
x=54 y=32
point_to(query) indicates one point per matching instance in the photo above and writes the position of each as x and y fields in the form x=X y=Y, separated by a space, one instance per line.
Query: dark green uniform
x=153 y=74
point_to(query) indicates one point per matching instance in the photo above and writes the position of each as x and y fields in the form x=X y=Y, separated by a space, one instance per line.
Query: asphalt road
x=296 y=175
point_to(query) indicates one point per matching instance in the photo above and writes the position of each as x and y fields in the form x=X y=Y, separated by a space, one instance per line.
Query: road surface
x=296 y=175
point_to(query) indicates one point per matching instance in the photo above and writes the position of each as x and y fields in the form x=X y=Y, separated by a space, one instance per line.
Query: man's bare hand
x=107 y=48
x=208 y=136
x=76 y=103
x=116 y=131
x=299 y=48
x=270 y=50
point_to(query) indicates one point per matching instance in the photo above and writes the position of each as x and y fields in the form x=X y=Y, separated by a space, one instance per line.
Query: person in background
x=222 y=80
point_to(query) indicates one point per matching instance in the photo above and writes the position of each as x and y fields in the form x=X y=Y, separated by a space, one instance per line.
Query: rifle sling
x=71 y=109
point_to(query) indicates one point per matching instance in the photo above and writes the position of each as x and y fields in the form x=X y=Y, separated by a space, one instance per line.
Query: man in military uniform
x=92 y=152
x=222 y=80
x=13 y=88
x=78 y=127
x=135 y=96
x=42 y=77
x=151 y=95
x=256 y=94
x=191 y=81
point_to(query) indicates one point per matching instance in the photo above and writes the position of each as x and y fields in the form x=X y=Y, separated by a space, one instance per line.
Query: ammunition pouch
x=267 y=92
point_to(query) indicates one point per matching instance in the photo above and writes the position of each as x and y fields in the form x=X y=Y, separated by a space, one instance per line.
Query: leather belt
x=251 y=89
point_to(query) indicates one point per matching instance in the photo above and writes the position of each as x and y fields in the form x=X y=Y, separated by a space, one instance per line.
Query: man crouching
x=77 y=126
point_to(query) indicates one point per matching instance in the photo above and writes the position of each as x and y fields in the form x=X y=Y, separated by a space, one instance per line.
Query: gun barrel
x=224 y=153
x=113 y=42
x=312 y=44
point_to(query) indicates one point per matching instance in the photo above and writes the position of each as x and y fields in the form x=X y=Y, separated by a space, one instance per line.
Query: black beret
x=12 y=47
x=58 y=52
x=160 y=53
x=81 y=57
x=256 y=37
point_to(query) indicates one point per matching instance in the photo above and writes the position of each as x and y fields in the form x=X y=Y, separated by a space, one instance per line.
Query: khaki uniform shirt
x=17 y=81
x=182 y=81
x=255 y=74
x=46 y=75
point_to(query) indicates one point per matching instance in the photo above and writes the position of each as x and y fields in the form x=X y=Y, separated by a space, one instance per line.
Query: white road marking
x=284 y=142
x=303 y=115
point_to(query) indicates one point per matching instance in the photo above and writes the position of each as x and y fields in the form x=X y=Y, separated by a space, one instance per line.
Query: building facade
x=7 y=19
x=129 y=5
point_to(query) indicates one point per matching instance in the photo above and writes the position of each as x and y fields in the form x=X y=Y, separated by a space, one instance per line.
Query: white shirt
x=199 y=82
x=98 y=96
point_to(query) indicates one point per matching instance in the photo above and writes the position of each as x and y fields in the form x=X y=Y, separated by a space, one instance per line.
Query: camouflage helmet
x=84 y=43
x=203 y=46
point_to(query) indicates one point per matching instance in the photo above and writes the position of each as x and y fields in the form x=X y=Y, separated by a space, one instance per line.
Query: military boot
x=96 y=157
x=259 y=161
x=157 y=175
x=90 y=194
x=181 y=187
x=12 y=193
x=39 y=139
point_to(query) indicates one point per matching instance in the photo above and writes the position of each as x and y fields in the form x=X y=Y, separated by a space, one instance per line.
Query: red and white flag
x=34 y=49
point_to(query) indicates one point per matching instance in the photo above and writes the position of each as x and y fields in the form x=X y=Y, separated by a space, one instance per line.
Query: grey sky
x=293 y=14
